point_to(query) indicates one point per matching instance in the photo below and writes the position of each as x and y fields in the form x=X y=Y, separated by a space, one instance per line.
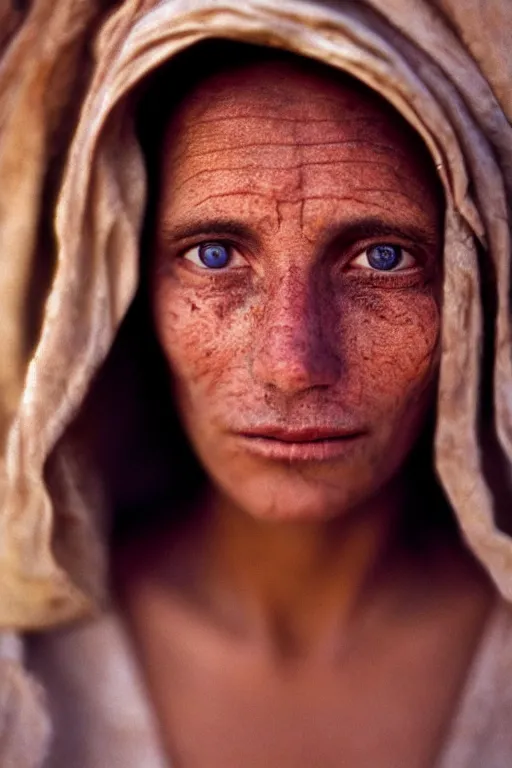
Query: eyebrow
x=371 y=227
x=341 y=232
x=172 y=234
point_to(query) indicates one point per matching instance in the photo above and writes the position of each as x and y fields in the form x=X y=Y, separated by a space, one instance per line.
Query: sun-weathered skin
x=65 y=70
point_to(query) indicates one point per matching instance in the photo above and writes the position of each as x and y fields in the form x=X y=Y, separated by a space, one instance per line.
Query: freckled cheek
x=202 y=337
x=391 y=345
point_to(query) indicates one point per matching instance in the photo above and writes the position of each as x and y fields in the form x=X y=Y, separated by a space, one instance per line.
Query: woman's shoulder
x=481 y=732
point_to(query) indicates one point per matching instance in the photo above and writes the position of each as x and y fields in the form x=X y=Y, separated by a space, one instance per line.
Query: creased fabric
x=438 y=86
x=25 y=729
x=41 y=74
x=103 y=717
x=97 y=701
x=72 y=203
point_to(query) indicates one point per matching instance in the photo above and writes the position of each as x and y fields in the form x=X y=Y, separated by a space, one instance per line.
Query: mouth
x=317 y=444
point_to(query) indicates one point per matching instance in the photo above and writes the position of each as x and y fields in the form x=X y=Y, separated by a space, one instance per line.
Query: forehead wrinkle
x=360 y=208
x=226 y=141
x=294 y=156
x=304 y=164
x=298 y=199
x=290 y=180
x=277 y=186
x=291 y=183
x=276 y=149
x=223 y=130
x=358 y=187
x=255 y=93
x=355 y=144
x=298 y=136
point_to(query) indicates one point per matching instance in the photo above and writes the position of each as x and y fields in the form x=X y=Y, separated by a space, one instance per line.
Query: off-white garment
x=480 y=735
x=438 y=68
x=97 y=698
x=446 y=66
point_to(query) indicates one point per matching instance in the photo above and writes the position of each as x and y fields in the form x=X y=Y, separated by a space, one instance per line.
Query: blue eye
x=384 y=257
x=214 y=255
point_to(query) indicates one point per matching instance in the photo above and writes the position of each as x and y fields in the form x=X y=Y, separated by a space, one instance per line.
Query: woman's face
x=295 y=287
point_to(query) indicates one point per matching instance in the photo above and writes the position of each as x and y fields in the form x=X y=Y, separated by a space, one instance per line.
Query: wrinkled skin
x=297 y=177
x=273 y=627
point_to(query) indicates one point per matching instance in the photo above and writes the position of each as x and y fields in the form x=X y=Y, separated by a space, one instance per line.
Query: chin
x=302 y=491
x=293 y=501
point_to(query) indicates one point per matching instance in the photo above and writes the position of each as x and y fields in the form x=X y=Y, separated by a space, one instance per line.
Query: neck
x=298 y=583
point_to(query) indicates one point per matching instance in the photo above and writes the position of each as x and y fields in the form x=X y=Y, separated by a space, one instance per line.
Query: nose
x=294 y=344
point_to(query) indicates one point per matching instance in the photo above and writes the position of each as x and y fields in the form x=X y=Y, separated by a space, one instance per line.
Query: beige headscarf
x=69 y=157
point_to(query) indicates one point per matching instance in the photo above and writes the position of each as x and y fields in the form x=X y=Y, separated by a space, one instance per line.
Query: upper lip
x=302 y=435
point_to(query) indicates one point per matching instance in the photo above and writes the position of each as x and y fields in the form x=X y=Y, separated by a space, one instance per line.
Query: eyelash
x=230 y=248
x=212 y=243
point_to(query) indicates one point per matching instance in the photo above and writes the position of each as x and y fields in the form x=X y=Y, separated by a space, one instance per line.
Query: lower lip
x=312 y=450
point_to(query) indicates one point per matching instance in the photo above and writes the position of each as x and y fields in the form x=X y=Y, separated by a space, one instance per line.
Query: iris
x=384 y=257
x=214 y=255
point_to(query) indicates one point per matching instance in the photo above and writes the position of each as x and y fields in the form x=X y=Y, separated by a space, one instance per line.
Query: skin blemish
x=297 y=177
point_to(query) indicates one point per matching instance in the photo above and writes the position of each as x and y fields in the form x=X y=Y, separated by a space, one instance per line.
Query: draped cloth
x=72 y=204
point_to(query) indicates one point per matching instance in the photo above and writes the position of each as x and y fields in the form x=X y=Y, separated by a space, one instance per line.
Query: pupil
x=214 y=256
x=384 y=257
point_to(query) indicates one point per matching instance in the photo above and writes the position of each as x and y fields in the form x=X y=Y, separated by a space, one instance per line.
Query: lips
x=311 y=444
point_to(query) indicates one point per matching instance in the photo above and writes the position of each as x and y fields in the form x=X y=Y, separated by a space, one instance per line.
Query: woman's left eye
x=384 y=258
x=214 y=256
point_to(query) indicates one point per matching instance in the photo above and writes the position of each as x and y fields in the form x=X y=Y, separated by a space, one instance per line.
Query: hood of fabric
x=430 y=60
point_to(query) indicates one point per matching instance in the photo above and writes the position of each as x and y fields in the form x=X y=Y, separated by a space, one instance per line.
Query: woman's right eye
x=214 y=255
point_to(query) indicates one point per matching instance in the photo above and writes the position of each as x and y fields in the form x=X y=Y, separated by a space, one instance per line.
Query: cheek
x=392 y=344
x=386 y=339
x=202 y=331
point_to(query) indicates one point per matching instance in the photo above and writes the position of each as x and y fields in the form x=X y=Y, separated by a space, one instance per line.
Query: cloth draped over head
x=72 y=204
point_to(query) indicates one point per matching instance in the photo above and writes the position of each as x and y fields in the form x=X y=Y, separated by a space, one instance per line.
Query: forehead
x=310 y=100
x=286 y=132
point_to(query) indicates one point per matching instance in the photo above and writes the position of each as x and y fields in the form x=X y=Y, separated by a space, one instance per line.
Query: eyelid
x=410 y=258
x=230 y=247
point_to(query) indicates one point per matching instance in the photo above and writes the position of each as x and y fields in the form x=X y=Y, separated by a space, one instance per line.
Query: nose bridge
x=293 y=351
x=291 y=302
